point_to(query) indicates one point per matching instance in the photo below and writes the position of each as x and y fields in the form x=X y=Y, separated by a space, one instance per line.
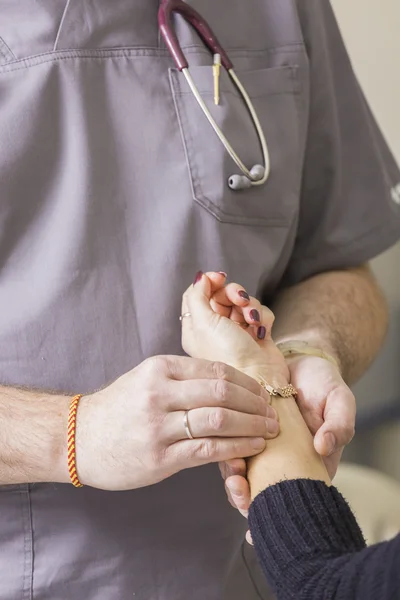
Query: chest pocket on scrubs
x=274 y=94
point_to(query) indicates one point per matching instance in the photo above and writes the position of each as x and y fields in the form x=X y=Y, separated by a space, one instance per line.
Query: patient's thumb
x=198 y=297
x=202 y=283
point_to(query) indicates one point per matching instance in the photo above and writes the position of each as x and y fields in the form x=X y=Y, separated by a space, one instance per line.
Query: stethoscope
x=258 y=174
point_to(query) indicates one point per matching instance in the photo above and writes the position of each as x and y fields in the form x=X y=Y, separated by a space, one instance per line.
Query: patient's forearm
x=289 y=456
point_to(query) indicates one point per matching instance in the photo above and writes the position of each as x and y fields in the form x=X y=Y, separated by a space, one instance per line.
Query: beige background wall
x=372 y=33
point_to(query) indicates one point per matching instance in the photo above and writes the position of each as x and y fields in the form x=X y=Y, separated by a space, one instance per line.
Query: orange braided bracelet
x=71 y=441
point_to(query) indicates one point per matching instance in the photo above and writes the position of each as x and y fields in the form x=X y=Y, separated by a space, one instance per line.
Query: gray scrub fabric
x=113 y=194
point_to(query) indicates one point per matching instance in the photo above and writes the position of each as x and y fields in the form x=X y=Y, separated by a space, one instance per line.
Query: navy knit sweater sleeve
x=310 y=546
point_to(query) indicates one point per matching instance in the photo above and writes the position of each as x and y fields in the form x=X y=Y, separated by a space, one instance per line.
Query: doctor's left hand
x=328 y=407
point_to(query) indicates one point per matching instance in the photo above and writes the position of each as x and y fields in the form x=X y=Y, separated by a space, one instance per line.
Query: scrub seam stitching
x=28 y=542
x=6 y=51
x=104 y=54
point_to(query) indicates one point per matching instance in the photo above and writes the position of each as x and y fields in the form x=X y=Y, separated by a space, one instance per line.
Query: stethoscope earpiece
x=241 y=182
x=257 y=172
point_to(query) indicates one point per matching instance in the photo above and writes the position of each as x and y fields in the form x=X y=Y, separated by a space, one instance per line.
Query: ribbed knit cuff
x=301 y=518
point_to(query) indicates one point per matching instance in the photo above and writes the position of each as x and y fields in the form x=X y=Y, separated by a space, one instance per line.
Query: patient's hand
x=220 y=326
x=227 y=325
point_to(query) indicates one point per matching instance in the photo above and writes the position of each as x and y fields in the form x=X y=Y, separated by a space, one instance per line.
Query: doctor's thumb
x=325 y=443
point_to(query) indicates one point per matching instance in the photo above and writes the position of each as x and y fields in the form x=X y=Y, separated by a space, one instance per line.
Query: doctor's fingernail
x=261 y=332
x=272 y=426
x=271 y=413
x=257 y=443
x=330 y=443
x=244 y=295
x=235 y=491
x=199 y=275
x=223 y=274
x=254 y=315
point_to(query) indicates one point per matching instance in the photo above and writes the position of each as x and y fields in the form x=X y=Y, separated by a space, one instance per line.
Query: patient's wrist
x=291 y=455
x=274 y=377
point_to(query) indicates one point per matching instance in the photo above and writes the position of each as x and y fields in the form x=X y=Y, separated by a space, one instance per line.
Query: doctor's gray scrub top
x=113 y=193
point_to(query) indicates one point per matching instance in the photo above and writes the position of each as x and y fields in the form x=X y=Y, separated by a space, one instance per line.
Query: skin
x=33 y=436
x=342 y=312
x=131 y=433
x=352 y=329
x=292 y=453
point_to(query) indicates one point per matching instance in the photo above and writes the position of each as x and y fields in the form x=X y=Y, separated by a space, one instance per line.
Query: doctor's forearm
x=33 y=428
x=342 y=312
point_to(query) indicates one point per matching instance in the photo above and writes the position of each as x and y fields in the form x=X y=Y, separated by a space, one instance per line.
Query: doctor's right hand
x=132 y=433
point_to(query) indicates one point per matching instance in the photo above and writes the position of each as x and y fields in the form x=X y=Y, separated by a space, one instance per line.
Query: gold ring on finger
x=187 y=426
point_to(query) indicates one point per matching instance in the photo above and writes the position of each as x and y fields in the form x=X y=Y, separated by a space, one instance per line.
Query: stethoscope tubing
x=264 y=147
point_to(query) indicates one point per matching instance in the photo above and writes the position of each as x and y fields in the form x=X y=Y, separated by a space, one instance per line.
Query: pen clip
x=216 y=74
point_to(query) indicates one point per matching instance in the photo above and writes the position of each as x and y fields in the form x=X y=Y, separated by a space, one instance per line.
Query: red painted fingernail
x=261 y=332
x=199 y=275
x=223 y=274
x=254 y=315
x=244 y=295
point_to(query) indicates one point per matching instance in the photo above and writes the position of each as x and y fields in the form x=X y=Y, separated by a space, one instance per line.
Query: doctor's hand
x=327 y=405
x=133 y=433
